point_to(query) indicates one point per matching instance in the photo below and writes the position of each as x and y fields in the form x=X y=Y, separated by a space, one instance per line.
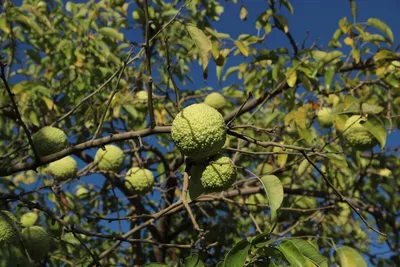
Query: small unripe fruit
x=139 y=16
x=216 y=176
x=325 y=117
x=29 y=219
x=82 y=193
x=215 y=100
x=199 y=131
x=49 y=140
x=357 y=135
x=140 y=181
x=9 y=228
x=36 y=242
x=110 y=159
x=141 y=100
x=63 y=169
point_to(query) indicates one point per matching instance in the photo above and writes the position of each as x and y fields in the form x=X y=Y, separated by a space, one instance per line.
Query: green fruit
x=111 y=159
x=140 y=181
x=29 y=219
x=82 y=193
x=199 y=131
x=139 y=16
x=216 y=176
x=325 y=117
x=142 y=96
x=9 y=228
x=13 y=256
x=63 y=169
x=357 y=135
x=215 y=100
x=49 y=140
x=36 y=242
x=141 y=100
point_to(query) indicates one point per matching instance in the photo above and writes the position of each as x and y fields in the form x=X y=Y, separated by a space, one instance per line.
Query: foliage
x=118 y=72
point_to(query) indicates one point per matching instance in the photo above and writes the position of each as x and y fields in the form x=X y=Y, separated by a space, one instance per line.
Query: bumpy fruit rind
x=199 y=131
x=36 y=242
x=63 y=169
x=216 y=176
x=140 y=181
x=325 y=117
x=357 y=135
x=111 y=159
x=49 y=140
x=9 y=228
x=215 y=100
x=29 y=219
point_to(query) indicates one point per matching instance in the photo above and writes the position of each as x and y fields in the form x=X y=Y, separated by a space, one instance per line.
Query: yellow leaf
x=242 y=48
x=202 y=43
x=291 y=77
x=349 y=41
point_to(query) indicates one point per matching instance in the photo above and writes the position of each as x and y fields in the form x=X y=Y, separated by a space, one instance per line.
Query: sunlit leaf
x=377 y=23
x=273 y=187
x=202 y=43
x=349 y=257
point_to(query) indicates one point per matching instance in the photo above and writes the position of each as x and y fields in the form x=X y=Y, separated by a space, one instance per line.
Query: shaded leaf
x=237 y=256
x=193 y=261
x=283 y=21
x=292 y=254
x=376 y=128
x=310 y=252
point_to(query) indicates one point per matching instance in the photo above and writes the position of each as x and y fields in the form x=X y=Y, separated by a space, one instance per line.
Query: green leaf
x=349 y=257
x=382 y=27
x=155 y=264
x=283 y=21
x=291 y=77
x=353 y=9
x=193 y=261
x=237 y=256
x=244 y=50
x=112 y=33
x=344 y=25
x=371 y=109
x=328 y=77
x=243 y=12
x=376 y=128
x=274 y=189
x=287 y=4
x=310 y=252
x=292 y=254
x=202 y=43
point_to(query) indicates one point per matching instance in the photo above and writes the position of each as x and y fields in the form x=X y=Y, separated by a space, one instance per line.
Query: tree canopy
x=311 y=178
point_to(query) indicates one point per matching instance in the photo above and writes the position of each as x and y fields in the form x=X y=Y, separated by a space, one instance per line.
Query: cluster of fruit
x=199 y=132
x=49 y=140
x=17 y=243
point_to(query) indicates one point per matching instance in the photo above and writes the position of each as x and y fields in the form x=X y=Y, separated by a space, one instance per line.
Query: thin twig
x=15 y=107
x=340 y=195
